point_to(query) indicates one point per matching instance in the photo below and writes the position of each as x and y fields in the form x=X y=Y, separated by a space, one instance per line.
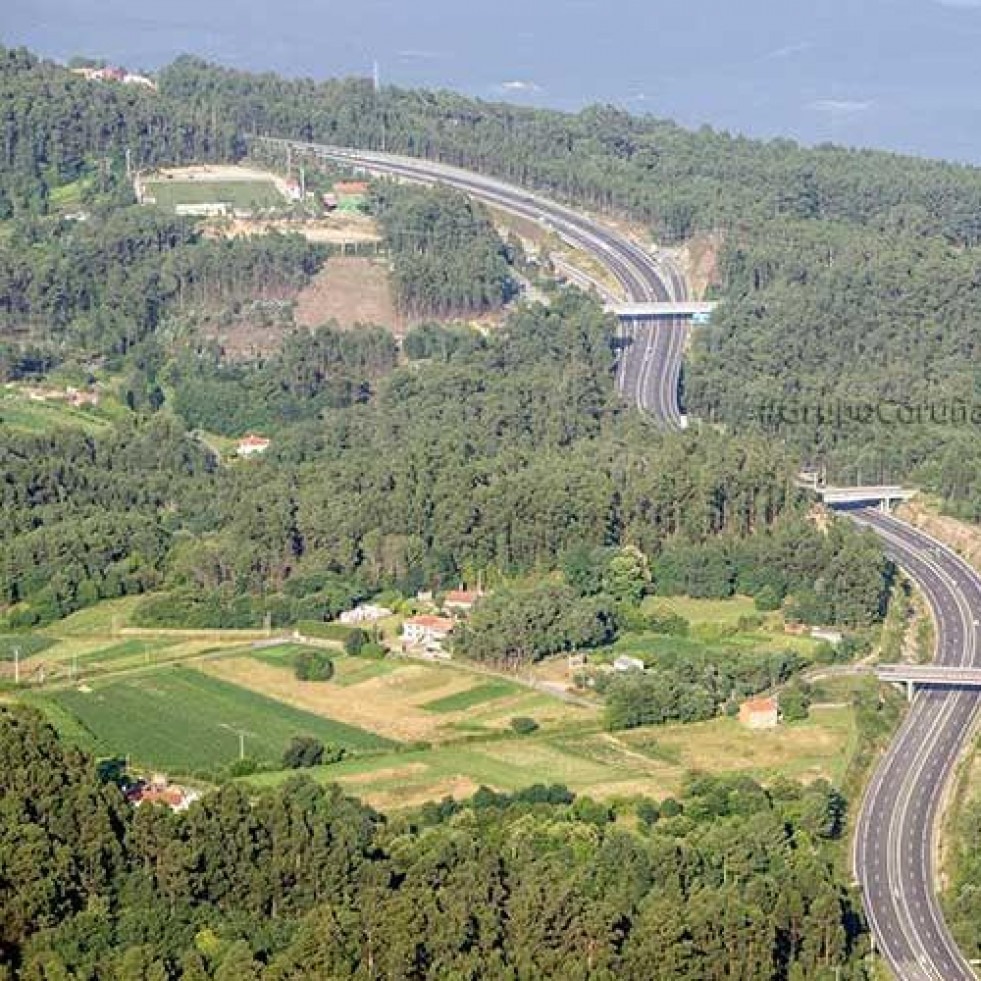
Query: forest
x=727 y=880
x=497 y=461
x=846 y=276
x=446 y=254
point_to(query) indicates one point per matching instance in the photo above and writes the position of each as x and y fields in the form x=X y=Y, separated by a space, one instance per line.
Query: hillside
x=848 y=277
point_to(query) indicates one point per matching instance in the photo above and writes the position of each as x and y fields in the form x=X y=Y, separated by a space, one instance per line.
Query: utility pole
x=241 y=733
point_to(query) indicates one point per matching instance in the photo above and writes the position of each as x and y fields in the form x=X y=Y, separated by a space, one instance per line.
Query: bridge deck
x=930 y=674
x=665 y=309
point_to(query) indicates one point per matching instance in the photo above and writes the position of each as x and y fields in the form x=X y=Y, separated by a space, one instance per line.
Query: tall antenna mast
x=376 y=76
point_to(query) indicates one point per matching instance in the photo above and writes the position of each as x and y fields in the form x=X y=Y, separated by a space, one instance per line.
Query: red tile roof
x=759 y=705
x=252 y=440
x=431 y=622
x=462 y=596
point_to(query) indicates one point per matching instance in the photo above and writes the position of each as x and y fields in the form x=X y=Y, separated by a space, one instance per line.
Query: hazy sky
x=901 y=74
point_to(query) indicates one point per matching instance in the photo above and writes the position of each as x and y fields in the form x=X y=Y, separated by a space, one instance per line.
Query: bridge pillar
x=910 y=690
x=884 y=506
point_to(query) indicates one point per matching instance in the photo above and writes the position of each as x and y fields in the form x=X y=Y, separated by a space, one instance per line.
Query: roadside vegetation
x=573 y=795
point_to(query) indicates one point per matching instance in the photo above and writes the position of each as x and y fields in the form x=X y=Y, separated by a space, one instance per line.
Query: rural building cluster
x=426 y=633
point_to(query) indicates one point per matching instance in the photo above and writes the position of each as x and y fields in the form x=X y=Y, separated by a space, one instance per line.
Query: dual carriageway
x=895 y=837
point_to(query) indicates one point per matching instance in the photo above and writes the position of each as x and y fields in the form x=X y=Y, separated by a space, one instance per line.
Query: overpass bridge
x=882 y=496
x=698 y=312
x=915 y=676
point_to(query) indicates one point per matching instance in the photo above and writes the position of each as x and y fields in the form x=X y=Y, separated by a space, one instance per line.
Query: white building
x=426 y=631
x=625 y=663
x=252 y=445
x=366 y=613
x=833 y=637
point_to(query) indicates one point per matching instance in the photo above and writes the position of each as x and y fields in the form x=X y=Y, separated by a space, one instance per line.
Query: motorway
x=895 y=836
x=650 y=351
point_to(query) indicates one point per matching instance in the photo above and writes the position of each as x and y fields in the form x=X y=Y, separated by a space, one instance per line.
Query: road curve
x=650 y=352
x=898 y=822
x=895 y=835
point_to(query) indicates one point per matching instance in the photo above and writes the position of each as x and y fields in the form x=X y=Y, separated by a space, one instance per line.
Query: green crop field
x=278 y=653
x=472 y=697
x=238 y=194
x=181 y=720
x=695 y=611
x=124 y=650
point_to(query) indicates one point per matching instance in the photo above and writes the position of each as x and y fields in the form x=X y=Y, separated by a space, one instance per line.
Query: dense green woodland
x=107 y=284
x=729 y=881
x=446 y=254
x=498 y=460
x=506 y=457
x=847 y=275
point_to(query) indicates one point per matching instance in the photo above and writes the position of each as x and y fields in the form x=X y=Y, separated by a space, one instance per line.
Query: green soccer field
x=237 y=194
x=181 y=720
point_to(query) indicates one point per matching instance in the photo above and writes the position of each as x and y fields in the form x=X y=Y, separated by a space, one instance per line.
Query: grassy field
x=727 y=612
x=19 y=412
x=182 y=720
x=395 y=698
x=126 y=650
x=245 y=194
x=489 y=692
x=102 y=620
x=653 y=761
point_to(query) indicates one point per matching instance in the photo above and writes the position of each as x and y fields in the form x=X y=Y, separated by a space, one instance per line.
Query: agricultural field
x=98 y=641
x=655 y=761
x=185 y=721
x=407 y=701
x=22 y=645
x=481 y=695
x=417 y=731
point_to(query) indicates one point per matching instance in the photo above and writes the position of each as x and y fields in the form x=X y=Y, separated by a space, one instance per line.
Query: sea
x=901 y=75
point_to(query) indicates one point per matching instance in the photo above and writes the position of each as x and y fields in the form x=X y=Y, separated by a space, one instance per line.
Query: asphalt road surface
x=894 y=847
x=650 y=351
x=897 y=826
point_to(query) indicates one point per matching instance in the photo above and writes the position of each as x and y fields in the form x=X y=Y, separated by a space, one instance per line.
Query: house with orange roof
x=759 y=713
x=427 y=632
x=252 y=445
x=461 y=600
